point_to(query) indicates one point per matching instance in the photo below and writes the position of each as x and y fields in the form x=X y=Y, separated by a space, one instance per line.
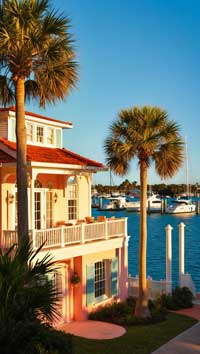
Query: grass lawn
x=138 y=339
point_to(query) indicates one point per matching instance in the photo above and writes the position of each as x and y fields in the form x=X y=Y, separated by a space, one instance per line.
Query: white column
x=168 y=230
x=181 y=250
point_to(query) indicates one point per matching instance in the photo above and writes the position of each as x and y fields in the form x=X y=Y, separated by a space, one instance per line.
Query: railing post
x=62 y=236
x=181 y=251
x=168 y=230
x=106 y=230
x=83 y=232
x=34 y=238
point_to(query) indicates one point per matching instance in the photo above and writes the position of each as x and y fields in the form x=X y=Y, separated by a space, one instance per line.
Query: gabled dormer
x=41 y=130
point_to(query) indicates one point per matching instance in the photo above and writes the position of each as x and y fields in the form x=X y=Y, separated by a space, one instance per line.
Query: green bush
x=180 y=298
x=33 y=338
x=123 y=313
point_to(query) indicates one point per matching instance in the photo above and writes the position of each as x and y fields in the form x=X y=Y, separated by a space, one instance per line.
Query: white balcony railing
x=68 y=235
x=155 y=287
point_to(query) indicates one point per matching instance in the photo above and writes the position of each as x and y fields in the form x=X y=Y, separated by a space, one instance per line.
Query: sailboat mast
x=186 y=168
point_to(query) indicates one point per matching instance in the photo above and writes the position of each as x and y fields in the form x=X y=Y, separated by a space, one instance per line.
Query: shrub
x=123 y=313
x=33 y=338
x=180 y=298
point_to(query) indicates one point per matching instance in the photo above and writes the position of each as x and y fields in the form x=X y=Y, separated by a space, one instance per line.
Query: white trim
x=42 y=120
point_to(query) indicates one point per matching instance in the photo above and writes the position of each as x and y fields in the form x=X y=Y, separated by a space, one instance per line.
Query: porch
x=64 y=236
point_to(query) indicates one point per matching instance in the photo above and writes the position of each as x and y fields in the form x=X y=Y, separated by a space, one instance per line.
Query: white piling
x=181 y=250
x=168 y=230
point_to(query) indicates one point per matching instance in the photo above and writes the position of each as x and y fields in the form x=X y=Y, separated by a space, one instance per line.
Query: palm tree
x=29 y=298
x=148 y=134
x=36 y=62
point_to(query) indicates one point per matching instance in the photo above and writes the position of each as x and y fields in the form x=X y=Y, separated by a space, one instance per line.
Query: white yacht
x=154 y=204
x=115 y=203
x=181 y=205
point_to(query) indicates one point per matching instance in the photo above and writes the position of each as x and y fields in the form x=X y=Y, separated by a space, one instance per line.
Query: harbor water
x=156 y=243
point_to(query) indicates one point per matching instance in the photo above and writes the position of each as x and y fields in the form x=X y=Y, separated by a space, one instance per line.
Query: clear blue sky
x=132 y=52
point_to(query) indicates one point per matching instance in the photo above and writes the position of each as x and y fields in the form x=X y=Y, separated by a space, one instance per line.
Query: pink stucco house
x=59 y=192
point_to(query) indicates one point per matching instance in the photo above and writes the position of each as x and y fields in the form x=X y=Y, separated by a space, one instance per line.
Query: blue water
x=156 y=243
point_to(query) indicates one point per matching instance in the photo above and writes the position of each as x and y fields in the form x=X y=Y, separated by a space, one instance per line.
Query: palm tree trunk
x=141 y=310
x=22 y=211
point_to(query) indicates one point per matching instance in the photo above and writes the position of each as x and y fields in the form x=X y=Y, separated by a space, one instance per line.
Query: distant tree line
x=163 y=189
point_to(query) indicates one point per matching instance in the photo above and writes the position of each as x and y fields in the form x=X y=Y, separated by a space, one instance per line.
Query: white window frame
x=52 y=137
x=38 y=126
x=72 y=195
x=28 y=124
x=43 y=208
x=101 y=296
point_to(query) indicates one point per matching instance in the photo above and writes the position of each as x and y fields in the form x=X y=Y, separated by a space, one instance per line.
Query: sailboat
x=182 y=205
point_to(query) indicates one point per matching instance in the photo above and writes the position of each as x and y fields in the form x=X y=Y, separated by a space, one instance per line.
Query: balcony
x=64 y=236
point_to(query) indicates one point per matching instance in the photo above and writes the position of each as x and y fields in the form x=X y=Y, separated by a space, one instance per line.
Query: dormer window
x=50 y=136
x=40 y=134
x=29 y=132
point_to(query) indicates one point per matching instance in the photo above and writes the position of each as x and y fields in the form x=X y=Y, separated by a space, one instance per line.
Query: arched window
x=72 y=197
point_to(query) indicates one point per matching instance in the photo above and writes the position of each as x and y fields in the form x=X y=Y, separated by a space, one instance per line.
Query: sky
x=132 y=52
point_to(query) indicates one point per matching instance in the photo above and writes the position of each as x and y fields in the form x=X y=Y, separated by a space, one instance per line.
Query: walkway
x=187 y=342
x=93 y=329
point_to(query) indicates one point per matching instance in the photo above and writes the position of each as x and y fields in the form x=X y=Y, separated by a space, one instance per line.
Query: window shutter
x=90 y=284
x=114 y=276
x=13 y=125
x=58 y=138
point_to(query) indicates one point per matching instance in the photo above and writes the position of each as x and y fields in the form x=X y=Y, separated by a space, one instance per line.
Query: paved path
x=93 y=329
x=187 y=342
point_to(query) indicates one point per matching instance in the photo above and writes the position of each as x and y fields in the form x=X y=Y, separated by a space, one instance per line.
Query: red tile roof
x=12 y=109
x=53 y=155
x=5 y=157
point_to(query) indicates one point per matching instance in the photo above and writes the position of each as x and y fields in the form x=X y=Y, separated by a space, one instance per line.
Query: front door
x=43 y=214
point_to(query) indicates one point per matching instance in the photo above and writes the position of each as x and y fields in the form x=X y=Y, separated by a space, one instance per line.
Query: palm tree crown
x=35 y=45
x=148 y=134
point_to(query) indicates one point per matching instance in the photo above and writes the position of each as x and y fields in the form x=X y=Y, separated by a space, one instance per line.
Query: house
x=59 y=196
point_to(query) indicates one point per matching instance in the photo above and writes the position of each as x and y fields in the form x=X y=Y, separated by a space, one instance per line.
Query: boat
x=181 y=205
x=154 y=204
x=115 y=203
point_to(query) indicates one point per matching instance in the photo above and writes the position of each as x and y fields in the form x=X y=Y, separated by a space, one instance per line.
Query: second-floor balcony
x=64 y=236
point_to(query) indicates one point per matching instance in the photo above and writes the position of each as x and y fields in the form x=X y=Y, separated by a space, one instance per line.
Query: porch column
x=32 y=203
x=181 y=251
x=168 y=230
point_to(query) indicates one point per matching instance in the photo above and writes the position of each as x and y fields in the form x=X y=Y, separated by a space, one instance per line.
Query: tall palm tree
x=148 y=134
x=36 y=62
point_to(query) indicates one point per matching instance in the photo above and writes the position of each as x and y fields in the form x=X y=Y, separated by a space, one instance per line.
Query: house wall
x=7 y=208
x=81 y=310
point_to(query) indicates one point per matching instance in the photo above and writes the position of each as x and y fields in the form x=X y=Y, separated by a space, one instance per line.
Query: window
x=50 y=136
x=29 y=132
x=72 y=198
x=100 y=279
x=38 y=210
x=40 y=134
